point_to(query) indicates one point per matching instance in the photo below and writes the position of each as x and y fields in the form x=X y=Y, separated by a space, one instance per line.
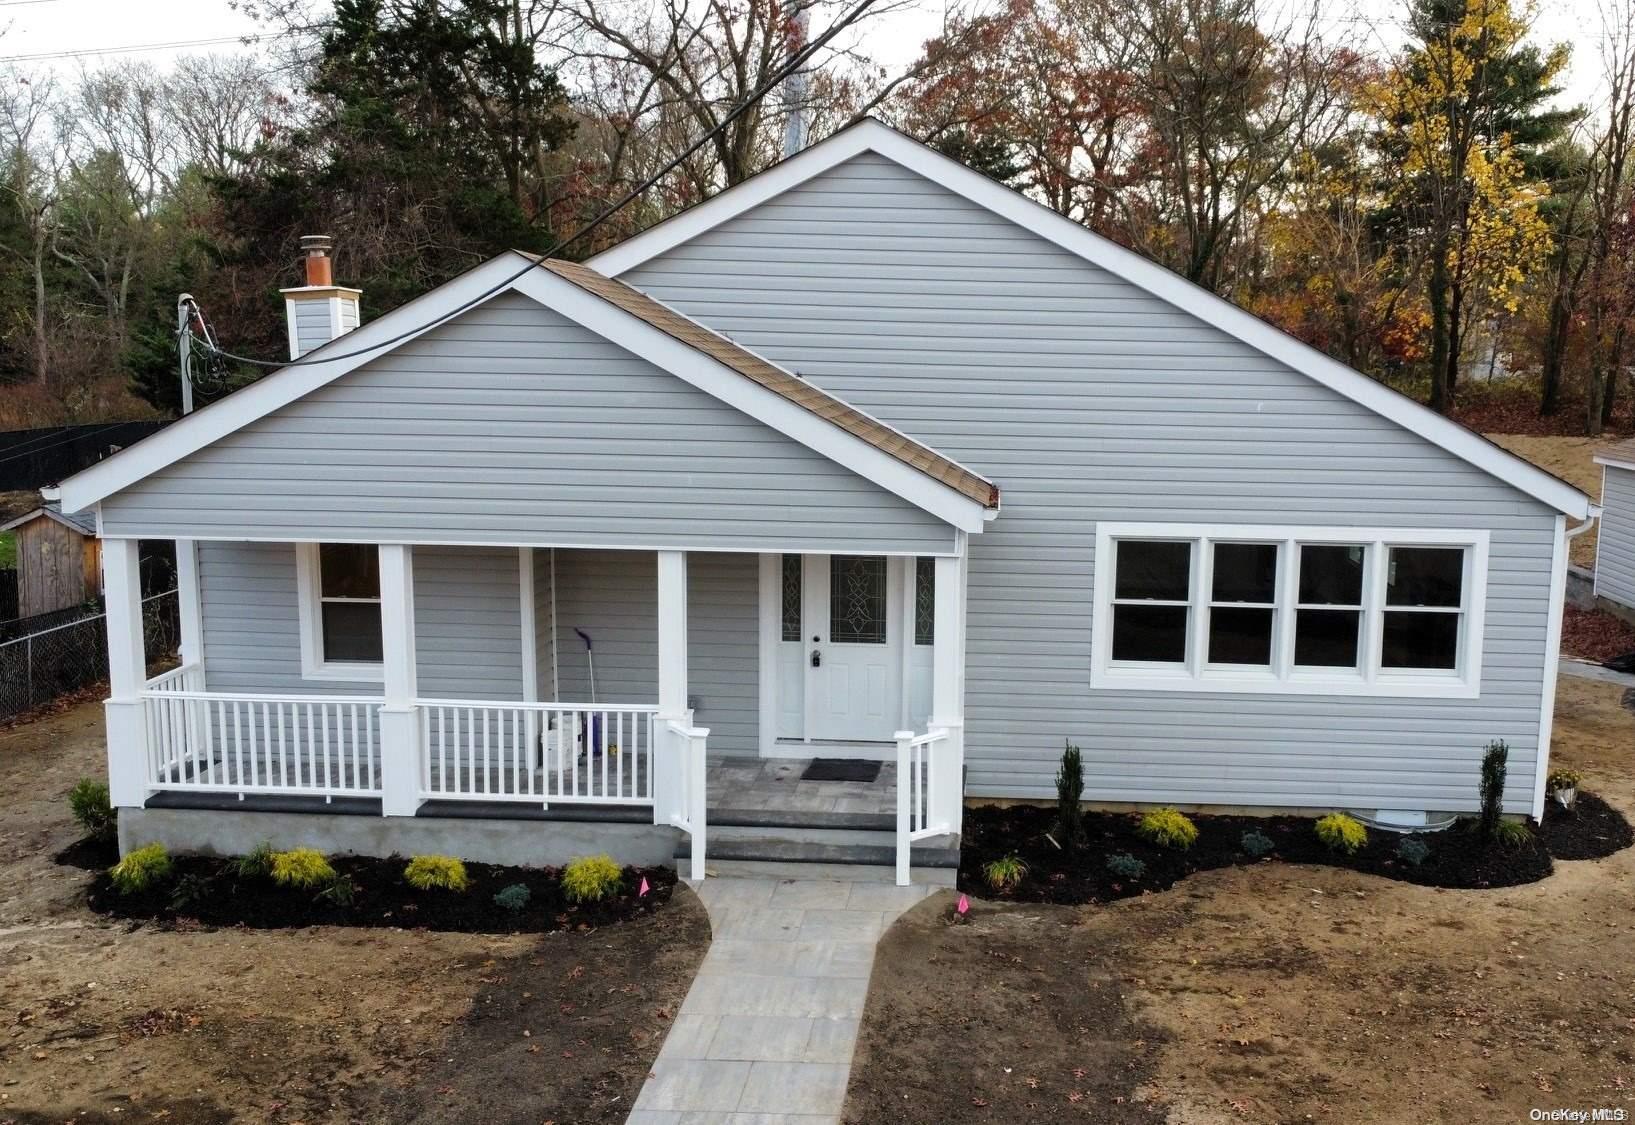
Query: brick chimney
x=320 y=310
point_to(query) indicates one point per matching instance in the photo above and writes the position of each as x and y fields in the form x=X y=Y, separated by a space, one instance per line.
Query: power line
x=794 y=63
x=44 y=56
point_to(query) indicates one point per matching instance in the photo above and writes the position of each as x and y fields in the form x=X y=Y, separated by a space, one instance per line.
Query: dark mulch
x=1015 y=1015
x=1590 y=634
x=1592 y=829
x=1458 y=858
x=204 y=890
x=89 y=854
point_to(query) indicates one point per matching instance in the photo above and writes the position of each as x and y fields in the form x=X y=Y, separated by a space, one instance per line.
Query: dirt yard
x=102 y=1023
x=1571 y=459
x=1275 y=993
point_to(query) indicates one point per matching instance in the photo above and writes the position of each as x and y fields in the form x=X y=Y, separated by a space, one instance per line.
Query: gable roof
x=83 y=523
x=1619 y=456
x=631 y=320
x=870 y=135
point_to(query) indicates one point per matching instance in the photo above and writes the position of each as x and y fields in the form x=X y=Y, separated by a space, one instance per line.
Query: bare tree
x=26 y=106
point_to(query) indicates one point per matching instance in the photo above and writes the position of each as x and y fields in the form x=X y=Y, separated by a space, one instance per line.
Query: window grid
x=791 y=597
x=925 y=601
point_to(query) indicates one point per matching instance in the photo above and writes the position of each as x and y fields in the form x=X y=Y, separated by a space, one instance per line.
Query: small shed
x=1615 y=546
x=59 y=559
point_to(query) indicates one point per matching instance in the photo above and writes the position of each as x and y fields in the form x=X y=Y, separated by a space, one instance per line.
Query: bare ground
x=1278 y=993
x=1571 y=459
x=104 y=1023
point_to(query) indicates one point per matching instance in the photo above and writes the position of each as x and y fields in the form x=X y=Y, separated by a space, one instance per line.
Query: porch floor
x=774 y=785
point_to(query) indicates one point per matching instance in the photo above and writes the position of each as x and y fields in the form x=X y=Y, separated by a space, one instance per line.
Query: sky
x=66 y=34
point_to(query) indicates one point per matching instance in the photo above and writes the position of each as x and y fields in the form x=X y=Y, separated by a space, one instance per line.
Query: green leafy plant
x=1126 y=866
x=1342 y=833
x=1070 y=796
x=257 y=863
x=141 y=869
x=514 y=898
x=302 y=868
x=1512 y=834
x=190 y=891
x=1256 y=843
x=1494 y=767
x=340 y=891
x=1004 y=873
x=1563 y=779
x=436 y=872
x=88 y=801
x=1168 y=828
x=591 y=878
x=1413 y=851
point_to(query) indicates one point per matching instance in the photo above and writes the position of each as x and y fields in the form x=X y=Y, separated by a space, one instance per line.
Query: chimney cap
x=316 y=245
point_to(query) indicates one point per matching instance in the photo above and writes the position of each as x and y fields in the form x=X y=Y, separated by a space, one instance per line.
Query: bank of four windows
x=1315 y=610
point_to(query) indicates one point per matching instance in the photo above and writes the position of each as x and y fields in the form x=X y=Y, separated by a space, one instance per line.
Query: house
x=59 y=561
x=1615 y=545
x=866 y=457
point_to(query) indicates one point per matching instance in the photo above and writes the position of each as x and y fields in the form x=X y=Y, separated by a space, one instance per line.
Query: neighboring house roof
x=1619 y=456
x=785 y=383
x=870 y=135
x=85 y=523
x=618 y=313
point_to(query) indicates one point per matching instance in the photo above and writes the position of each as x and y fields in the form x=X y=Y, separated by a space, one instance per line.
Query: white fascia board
x=1614 y=462
x=872 y=136
x=745 y=395
x=281 y=387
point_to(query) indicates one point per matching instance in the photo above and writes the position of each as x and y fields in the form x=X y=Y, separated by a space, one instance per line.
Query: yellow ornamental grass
x=140 y=869
x=591 y=878
x=1168 y=828
x=435 y=872
x=1341 y=833
x=302 y=868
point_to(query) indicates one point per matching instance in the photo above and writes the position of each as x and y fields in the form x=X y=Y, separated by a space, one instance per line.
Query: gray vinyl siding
x=613 y=596
x=1615 y=549
x=514 y=425
x=312 y=327
x=1088 y=399
x=468 y=638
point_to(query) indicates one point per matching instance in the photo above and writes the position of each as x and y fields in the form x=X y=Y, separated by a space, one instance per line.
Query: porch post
x=672 y=636
x=127 y=670
x=947 y=686
x=189 y=605
x=400 y=750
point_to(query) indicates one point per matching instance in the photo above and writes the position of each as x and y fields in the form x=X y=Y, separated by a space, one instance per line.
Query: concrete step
x=795 y=834
x=939 y=852
x=838 y=872
x=787 y=818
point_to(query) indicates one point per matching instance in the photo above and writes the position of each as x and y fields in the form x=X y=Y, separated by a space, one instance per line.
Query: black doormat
x=841 y=769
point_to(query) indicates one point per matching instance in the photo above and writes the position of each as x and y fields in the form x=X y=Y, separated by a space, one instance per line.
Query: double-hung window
x=1283 y=609
x=339 y=589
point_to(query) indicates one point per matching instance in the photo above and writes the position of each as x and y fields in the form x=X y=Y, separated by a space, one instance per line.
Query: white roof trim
x=870 y=135
x=630 y=332
x=1614 y=462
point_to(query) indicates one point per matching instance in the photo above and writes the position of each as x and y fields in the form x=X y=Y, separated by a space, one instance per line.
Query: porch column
x=399 y=717
x=189 y=605
x=672 y=638
x=127 y=670
x=948 y=685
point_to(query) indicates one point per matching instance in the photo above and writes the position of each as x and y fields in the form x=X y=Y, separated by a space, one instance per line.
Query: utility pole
x=184 y=345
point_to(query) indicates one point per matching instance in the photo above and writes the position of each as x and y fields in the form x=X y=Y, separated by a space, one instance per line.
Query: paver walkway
x=766 y=1033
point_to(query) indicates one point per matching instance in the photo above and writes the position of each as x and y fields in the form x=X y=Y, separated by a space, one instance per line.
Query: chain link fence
x=39 y=667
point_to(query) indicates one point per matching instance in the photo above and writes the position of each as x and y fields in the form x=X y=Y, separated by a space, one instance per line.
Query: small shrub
x=1005 y=873
x=1256 y=843
x=303 y=868
x=1168 y=828
x=257 y=864
x=436 y=872
x=1494 y=767
x=1512 y=834
x=140 y=869
x=88 y=801
x=1126 y=866
x=1342 y=833
x=1413 y=851
x=514 y=898
x=341 y=892
x=1563 y=779
x=591 y=878
x=190 y=891
x=1069 y=797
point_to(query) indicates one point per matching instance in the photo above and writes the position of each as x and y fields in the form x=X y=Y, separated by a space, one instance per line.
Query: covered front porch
x=680 y=636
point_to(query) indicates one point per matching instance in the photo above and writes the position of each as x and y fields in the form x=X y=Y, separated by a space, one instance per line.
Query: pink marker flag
x=642 y=890
x=964 y=904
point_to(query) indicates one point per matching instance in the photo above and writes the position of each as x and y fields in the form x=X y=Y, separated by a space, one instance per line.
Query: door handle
x=817 y=659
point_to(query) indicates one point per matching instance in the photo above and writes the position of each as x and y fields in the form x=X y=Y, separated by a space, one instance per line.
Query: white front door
x=853 y=619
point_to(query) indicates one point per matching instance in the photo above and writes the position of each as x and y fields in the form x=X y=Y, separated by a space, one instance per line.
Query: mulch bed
x=1591 y=829
x=89 y=854
x=1458 y=858
x=1590 y=634
x=205 y=891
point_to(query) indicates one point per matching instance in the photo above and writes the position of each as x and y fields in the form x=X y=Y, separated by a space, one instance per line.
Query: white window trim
x=1282 y=678
x=313 y=664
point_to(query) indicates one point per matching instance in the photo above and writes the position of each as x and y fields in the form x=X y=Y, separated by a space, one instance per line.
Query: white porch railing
x=924 y=763
x=290 y=745
x=684 y=782
x=542 y=753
